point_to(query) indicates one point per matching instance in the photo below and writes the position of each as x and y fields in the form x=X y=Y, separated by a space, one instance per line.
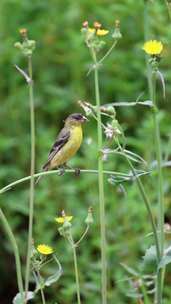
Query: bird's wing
x=61 y=140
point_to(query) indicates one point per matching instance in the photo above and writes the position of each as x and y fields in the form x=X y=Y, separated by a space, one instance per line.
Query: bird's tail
x=45 y=168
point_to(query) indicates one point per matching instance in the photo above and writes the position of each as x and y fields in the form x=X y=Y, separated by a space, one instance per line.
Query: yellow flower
x=99 y=32
x=44 y=249
x=62 y=219
x=91 y=30
x=153 y=47
x=102 y=32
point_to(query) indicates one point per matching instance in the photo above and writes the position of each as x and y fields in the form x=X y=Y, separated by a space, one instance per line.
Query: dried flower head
x=86 y=107
x=23 y=32
x=97 y=25
x=105 y=153
x=85 y=24
x=112 y=130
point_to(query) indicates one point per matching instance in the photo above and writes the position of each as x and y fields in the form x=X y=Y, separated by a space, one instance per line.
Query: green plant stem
x=108 y=52
x=146 y=37
x=76 y=274
x=148 y=207
x=32 y=171
x=151 y=77
x=16 y=253
x=101 y=184
x=159 y=166
x=55 y=172
x=160 y=273
x=41 y=289
x=73 y=246
x=146 y=201
x=168 y=5
x=82 y=236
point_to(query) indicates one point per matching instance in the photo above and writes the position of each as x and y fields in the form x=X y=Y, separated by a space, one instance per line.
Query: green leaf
x=164 y=261
x=150 y=255
x=130 y=270
x=55 y=277
x=18 y=297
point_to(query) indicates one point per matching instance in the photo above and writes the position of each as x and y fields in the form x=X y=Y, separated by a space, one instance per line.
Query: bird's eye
x=77 y=116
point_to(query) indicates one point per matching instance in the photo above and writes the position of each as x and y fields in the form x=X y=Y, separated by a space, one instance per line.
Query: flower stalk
x=76 y=273
x=66 y=231
x=32 y=171
x=101 y=183
x=154 y=49
x=16 y=253
x=160 y=189
x=27 y=47
x=146 y=202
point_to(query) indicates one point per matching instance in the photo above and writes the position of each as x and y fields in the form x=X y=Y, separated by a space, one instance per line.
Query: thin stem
x=76 y=274
x=108 y=52
x=82 y=236
x=16 y=253
x=159 y=166
x=55 y=172
x=101 y=185
x=160 y=273
x=168 y=5
x=71 y=241
x=41 y=289
x=146 y=37
x=32 y=171
x=151 y=77
x=146 y=201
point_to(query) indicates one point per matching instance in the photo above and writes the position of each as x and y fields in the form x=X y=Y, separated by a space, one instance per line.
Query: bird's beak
x=84 y=119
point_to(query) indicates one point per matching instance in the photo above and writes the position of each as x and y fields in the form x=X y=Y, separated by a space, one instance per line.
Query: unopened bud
x=117 y=23
x=117 y=34
x=18 y=45
x=67 y=225
x=89 y=219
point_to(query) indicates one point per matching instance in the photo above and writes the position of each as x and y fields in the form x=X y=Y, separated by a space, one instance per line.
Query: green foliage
x=60 y=65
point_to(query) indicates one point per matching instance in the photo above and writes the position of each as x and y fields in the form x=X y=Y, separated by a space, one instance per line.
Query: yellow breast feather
x=69 y=149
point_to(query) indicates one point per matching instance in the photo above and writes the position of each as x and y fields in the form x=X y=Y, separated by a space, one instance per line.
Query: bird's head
x=75 y=119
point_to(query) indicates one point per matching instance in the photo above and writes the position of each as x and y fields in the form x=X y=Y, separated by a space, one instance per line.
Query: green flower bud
x=66 y=225
x=27 y=46
x=61 y=231
x=18 y=45
x=89 y=219
x=117 y=34
x=111 y=110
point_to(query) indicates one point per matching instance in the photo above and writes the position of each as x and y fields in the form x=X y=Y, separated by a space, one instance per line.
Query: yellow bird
x=67 y=142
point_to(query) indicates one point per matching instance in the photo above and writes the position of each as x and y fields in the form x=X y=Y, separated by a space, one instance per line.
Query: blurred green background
x=60 y=65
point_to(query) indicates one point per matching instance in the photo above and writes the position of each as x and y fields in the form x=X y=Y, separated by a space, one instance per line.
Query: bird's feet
x=77 y=172
x=61 y=171
x=65 y=166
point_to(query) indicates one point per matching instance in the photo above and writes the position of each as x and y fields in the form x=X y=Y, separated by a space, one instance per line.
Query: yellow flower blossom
x=99 y=32
x=62 y=219
x=91 y=30
x=153 y=47
x=102 y=32
x=44 y=249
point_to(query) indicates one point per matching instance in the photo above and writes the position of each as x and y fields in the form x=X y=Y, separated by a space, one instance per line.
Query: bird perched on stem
x=67 y=142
